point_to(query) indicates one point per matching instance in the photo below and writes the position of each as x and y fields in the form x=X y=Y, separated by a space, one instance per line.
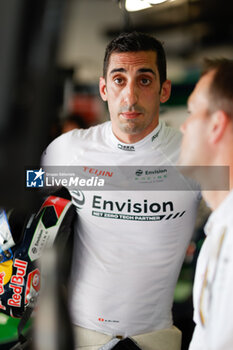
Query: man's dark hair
x=134 y=42
x=221 y=88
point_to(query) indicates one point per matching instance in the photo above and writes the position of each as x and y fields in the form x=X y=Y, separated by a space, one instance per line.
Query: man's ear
x=103 y=89
x=218 y=125
x=165 y=91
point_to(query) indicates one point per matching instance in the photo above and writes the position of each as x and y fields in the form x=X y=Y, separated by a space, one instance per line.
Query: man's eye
x=145 y=81
x=118 y=81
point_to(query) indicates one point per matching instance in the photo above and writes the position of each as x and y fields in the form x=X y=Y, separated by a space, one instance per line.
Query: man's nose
x=131 y=94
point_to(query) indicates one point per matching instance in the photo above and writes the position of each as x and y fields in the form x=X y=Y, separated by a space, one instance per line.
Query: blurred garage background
x=51 y=59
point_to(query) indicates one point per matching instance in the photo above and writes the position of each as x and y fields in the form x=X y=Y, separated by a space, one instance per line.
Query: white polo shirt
x=129 y=245
x=213 y=286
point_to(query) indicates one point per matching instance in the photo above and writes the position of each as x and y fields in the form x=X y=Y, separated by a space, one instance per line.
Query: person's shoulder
x=170 y=140
x=92 y=133
x=62 y=149
x=54 y=152
x=170 y=134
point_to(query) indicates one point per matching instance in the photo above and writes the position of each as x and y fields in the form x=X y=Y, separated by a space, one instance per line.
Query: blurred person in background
x=208 y=141
x=125 y=270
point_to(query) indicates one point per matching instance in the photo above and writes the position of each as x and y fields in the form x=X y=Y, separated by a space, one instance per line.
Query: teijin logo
x=97 y=172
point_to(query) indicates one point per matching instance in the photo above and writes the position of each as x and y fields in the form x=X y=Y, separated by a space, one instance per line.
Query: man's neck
x=129 y=139
x=133 y=138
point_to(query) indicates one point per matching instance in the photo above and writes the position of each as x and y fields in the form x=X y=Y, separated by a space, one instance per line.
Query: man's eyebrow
x=141 y=70
x=146 y=70
x=115 y=70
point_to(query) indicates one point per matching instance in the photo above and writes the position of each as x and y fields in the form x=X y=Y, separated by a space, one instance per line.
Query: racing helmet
x=23 y=238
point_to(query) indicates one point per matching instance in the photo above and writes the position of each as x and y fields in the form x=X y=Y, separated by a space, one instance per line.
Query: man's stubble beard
x=131 y=127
